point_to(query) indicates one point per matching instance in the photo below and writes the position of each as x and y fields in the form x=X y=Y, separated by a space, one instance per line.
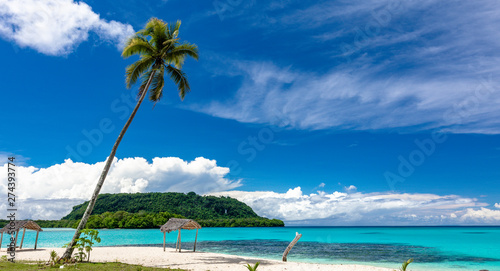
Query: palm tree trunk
x=69 y=250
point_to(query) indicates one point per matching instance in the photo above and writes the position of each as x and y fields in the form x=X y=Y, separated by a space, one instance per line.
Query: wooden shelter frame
x=178 y=224
x=15 y=226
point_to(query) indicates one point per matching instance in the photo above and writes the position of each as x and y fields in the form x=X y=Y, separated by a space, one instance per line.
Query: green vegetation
x=122 y=219
x=144 y=220
x=189 y=205
x=151 y=210
x=252 y=268
x=26 y=265
x=405 y=265
x=241 y=222
x=84 y=244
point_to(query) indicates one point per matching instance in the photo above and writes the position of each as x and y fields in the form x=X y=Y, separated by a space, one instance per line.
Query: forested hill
x=189 y=205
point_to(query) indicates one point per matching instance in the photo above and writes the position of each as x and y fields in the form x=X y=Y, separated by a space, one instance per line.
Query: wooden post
x=294 y=241
x=1 y=238
x=180 y=242
x=15 y=242
x=165 y=233
x=22 y=239
x=177 y=244
x=36 y=240
x=196 y=238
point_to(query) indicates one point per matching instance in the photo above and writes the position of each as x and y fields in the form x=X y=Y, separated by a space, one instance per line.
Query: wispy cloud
x=358 y=208
x=408 y=66
x=357 y=100
x=74 y=182
x=350 y=189
x=56 y=27
x=19 y=160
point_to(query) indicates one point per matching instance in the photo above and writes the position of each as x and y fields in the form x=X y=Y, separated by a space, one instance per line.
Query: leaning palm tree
x=160 y=52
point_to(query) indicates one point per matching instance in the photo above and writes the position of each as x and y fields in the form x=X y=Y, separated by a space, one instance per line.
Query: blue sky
x=362 y=111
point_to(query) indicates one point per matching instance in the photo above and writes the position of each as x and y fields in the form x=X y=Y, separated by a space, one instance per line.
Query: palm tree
x=160 y=52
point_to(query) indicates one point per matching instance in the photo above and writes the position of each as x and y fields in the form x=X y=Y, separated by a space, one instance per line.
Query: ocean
x=432 y=248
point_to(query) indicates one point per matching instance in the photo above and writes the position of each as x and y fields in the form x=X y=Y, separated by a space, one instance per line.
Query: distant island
x=151 y=210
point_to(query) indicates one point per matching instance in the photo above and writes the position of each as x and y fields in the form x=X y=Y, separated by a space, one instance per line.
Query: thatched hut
x=176 y=224
x=16 y=226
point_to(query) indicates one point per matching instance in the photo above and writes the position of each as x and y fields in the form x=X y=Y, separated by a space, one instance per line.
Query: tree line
x=188 y=205
x=151 y=210
x=145 y=220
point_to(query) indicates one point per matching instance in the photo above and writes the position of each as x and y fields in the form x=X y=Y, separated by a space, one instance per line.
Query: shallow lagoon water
x=432 y=248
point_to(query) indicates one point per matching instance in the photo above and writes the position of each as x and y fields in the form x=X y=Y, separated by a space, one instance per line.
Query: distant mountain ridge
x=189 y=205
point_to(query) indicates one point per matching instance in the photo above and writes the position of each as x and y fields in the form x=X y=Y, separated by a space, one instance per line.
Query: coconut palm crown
x=160 y=52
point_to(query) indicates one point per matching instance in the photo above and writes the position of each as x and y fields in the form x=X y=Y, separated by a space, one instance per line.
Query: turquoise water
x=433 y=248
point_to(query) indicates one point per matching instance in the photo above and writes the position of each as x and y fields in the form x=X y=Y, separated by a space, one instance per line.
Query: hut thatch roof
x=19 y=224
x=174 y=224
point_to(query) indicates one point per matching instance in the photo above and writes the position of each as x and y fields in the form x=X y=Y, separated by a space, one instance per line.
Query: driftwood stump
x=294 y=241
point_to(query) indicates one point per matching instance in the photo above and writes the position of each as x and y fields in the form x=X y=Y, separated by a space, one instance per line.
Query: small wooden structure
x=176 y=224
x=20 y=224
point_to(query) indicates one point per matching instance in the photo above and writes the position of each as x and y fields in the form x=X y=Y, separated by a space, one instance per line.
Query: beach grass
x=112 y=266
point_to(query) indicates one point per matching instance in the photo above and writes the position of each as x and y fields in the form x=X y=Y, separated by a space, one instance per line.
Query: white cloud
x=497 y=205
x=50 y=193
x=350 y=189
x=355 y=100
x=56 y=27
x=45 y=209
x=340 y=208
x=425 y=68
x=482 y=215
x=70 y=181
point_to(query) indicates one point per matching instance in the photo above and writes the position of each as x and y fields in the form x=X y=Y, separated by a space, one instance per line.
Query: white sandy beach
x=195 y=261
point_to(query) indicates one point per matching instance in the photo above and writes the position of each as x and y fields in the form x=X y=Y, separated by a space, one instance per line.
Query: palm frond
x=156 y=89
x=252 y=268
x=149 y=27
x=180 y=79
x=405 y=265
x=167 y=46
x=178 y=54
x=188 y=49
x=145 y=79
x=136 y=69
x=174 y=29
x=137 y=45
x=159 y=34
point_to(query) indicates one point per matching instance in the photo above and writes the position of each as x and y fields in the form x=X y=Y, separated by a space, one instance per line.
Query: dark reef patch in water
x=357 y=252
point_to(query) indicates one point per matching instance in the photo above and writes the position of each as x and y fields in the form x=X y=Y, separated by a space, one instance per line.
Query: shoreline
x=189 y=260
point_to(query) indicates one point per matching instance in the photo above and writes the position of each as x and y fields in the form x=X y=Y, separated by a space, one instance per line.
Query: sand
x=196 y=261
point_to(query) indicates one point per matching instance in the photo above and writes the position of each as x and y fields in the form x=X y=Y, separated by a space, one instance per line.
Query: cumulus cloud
x=497 y=205
x=42 y=188
x=50 y=193
x=481 y=215
x=56 y=27
x=340 y=208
